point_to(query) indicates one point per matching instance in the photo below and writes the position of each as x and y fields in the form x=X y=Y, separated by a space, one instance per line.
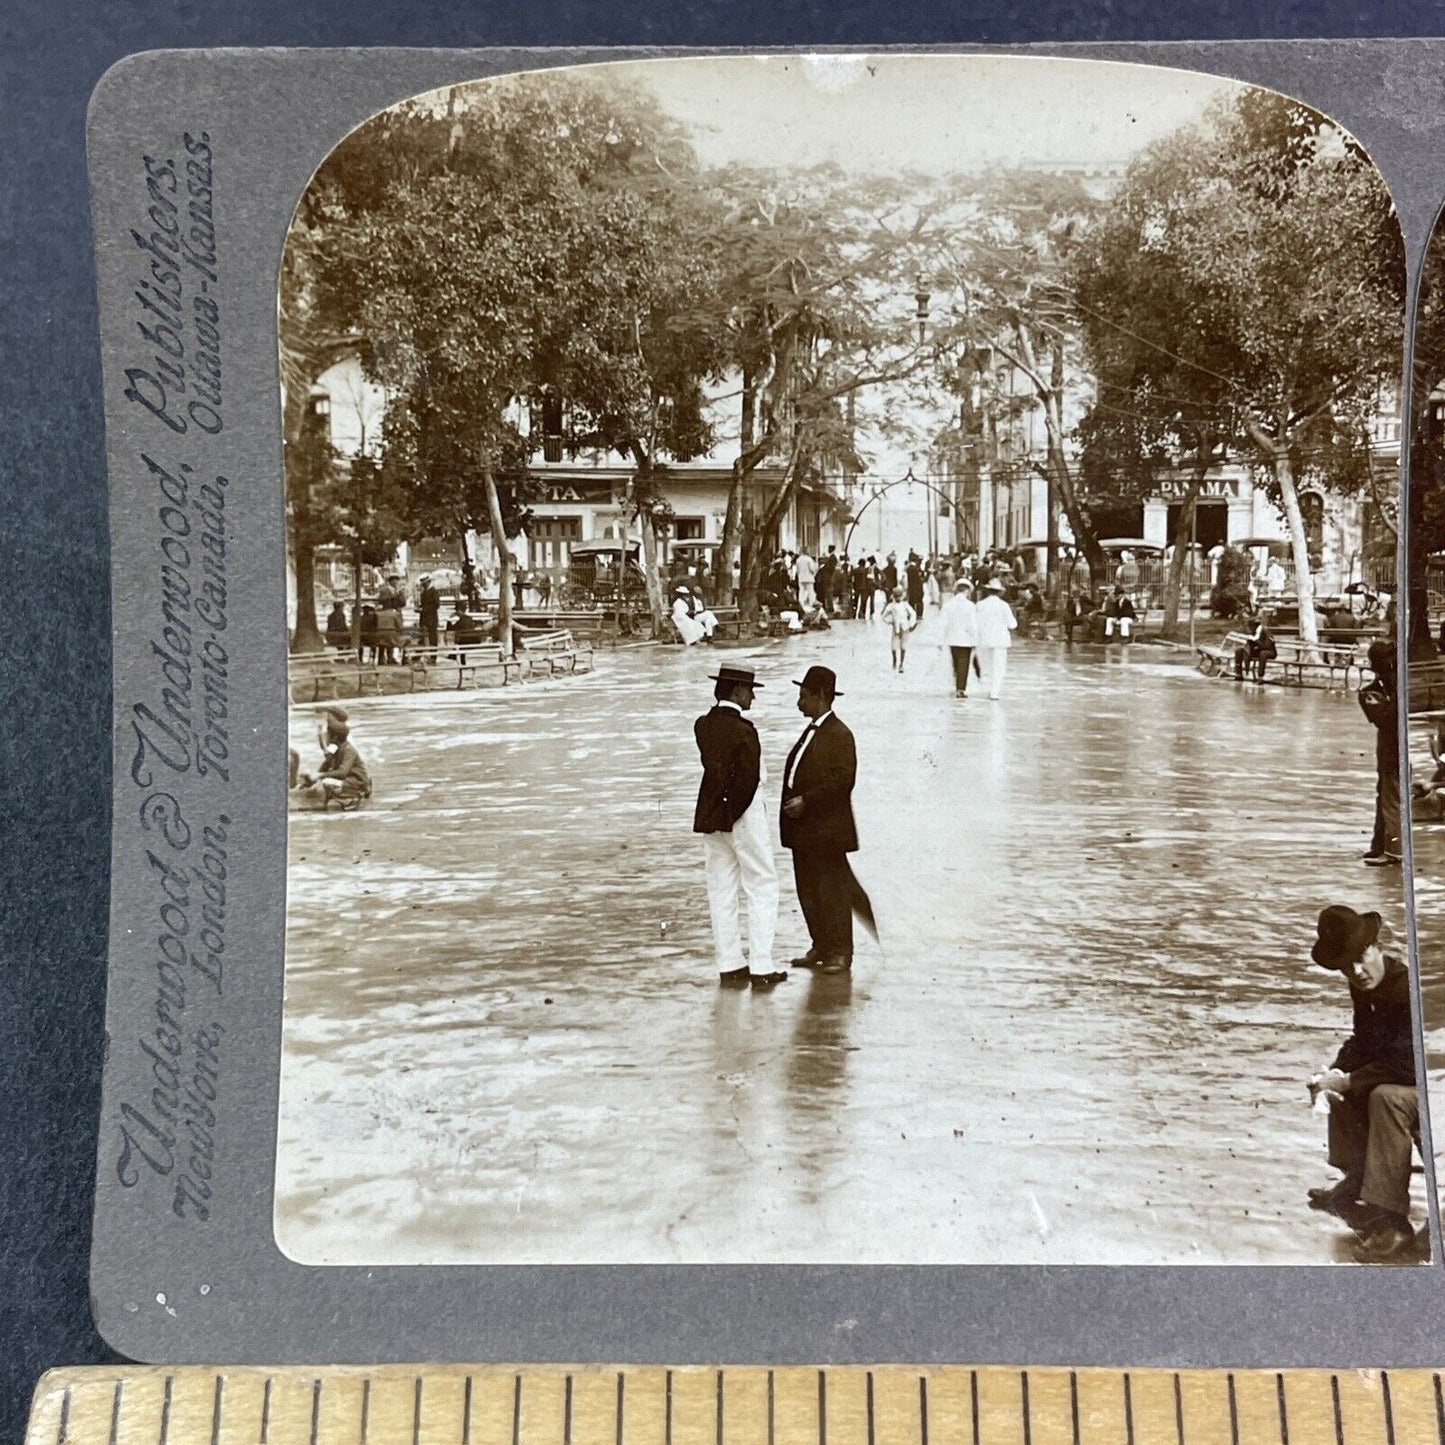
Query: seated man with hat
x=1370 y=1087
x=737 y=842
x=694 y=622
x=342 y=778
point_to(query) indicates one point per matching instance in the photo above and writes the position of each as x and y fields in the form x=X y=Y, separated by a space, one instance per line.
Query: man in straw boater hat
x=1370 y=1087
x=737 y=842
x=818 y=827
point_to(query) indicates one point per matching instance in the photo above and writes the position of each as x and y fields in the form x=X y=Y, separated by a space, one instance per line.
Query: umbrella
x=1129 y=544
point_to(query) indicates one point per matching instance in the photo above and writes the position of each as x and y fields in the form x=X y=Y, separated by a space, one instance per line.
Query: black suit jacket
x=824 y=780
x=731 y=766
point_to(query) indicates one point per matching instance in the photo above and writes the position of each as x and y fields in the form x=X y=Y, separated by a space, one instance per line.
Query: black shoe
x=835 y=965
x=809 y=960
x=762 y=982
x=1383 y=860
x=735 y=977
x=1391 y=1241
x=1330 y=1197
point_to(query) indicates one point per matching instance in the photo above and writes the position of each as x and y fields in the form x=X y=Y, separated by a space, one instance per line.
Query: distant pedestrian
x=863 y=588
x=960 y=633
x=342 y=778
x=805 y=574
x=1379 y=700
x=430 y=606
x=818 y=828
x=890 y=573
x=913 y=580
x=736 y=839
x=338 y=631
x=900 y=619
x=996 y=625
x=1075 y=613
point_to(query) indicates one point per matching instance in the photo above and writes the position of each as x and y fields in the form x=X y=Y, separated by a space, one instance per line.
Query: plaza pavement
x=1084 y=1038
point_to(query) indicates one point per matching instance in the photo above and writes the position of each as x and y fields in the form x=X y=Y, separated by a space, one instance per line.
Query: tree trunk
x=1304 y=582
x=1179 y=565
x=649 y=565
x=722 y=562
x=307 y=637
x=504 y=564
x=356 y=603
x=752 y=575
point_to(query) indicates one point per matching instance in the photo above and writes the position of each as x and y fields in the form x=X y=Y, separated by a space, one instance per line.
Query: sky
x=882 y=114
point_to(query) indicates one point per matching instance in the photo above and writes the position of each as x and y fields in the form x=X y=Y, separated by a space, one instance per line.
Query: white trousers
x=741 y=862
x=807 y=596
x=992 y=664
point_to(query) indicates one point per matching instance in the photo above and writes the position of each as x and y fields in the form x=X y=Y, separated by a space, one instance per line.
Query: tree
x=1427 y=443
x=486 y=244
x=1287 y=236
x=820 y=272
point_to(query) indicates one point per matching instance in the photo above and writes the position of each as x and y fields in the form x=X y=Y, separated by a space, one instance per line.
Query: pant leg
x=1387 y=770
x=835 y=906
x=1394 y=1115
x=753 y=848
x=723 y=880
x=998 y=667
x=963 y=656
x=805 y=881
x=1349 y=1134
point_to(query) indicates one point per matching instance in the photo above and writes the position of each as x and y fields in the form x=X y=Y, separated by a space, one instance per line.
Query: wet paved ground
x=1084 y=1039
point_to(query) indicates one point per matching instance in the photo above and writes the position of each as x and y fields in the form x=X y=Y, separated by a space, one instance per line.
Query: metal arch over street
x=880 y=491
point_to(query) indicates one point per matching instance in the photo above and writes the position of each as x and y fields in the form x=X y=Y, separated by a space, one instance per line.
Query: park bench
x=1426 y=685
x=555 y=651
x=469 y=660
x=1297 y=661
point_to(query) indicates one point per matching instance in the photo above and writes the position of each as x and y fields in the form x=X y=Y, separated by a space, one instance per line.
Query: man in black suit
x=737 y=842
x=818 y=827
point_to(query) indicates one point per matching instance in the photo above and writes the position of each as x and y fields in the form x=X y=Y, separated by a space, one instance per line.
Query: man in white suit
x=996 y=625
x=960 y=633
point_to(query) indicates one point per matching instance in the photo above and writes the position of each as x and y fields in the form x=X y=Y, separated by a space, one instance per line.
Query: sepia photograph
x=843 y=695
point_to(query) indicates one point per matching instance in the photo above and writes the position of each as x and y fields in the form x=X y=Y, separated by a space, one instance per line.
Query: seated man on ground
x=342 y=778
x=1429 y=797
x=1370 y=1088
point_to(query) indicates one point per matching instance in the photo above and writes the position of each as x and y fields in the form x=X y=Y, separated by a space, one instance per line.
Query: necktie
x=800 y=750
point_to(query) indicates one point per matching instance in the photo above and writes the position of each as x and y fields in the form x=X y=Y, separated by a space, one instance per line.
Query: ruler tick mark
x=1074 y=1402
x=1335 y=1398
x=416 y=1414
x=315 y=1409
x=216 y=1409
x=973 y=1390
x=772 y=1413
x=1024 y=1396
x=115 y=1412
x=922 y=1410
x=365 y=1408
x=1129 y=1411
x=166 y=1409
x=566 y=1413
x=467 y=1413
x=517 y=1410
x=266 y=1412
x=822 y=1408
x=1233 y=1412
x=1179 y=1409
x=621 y=1386
x=1439 y=1410
x=872 y=1439
x=718 y=1424
x=63 y=1434
x=667 y=1411
x=1283 y=1411
x=1389 y=1407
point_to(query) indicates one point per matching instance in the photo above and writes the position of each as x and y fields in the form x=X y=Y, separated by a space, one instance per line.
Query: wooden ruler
x=843 y=1405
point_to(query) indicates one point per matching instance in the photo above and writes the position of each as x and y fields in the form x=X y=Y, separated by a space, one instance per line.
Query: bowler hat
x=820 y=680
x=741 y=675
x=1344 y=935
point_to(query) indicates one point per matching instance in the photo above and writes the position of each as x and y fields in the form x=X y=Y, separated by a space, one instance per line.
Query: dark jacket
x=431 y=603
x=824 y=780
x=1381 y=1050
x=731 y=766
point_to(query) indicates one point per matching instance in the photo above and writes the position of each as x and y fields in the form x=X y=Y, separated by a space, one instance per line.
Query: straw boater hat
x=743 y=676
x=1344 y=935
x=995 y=586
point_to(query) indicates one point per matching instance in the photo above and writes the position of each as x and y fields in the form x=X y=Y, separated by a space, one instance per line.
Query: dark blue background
x=54 y=587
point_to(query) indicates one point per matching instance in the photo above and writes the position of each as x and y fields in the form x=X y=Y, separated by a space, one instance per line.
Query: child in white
x=900 y=619
x=996 y=624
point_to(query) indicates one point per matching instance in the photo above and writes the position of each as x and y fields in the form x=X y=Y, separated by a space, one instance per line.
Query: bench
x=556 y=651
x=1297 y=661
x=469 y=659
x=1426 y=683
